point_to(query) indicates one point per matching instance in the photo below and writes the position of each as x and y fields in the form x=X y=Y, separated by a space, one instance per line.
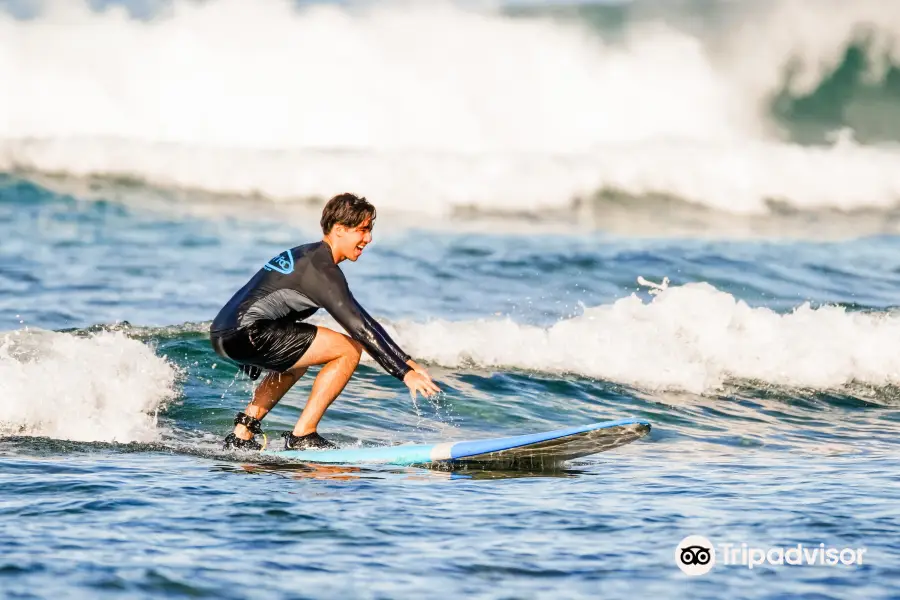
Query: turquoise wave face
x=848 y=98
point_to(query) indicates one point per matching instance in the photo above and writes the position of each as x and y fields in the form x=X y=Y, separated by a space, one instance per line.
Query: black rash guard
x=293 y=286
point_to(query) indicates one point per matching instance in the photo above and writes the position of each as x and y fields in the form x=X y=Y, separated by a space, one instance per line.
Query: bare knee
x=353 y=351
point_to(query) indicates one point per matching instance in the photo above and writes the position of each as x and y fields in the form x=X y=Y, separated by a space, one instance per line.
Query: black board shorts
x=271 y=345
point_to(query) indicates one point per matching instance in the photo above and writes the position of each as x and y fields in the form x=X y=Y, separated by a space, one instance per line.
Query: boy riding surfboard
x=263 y=328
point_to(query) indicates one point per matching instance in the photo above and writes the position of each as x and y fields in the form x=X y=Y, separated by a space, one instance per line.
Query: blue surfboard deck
x=536 y=449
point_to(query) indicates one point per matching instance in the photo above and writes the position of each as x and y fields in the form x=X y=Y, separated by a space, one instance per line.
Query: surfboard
x=522 y=451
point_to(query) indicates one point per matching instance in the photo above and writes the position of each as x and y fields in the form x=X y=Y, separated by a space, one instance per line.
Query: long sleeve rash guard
x=297 y=283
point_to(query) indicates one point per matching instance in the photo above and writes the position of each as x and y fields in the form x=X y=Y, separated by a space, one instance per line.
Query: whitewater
x=522 y=114
x=690 y=338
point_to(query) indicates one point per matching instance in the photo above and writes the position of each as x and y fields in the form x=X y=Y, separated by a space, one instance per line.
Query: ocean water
x=529 y=164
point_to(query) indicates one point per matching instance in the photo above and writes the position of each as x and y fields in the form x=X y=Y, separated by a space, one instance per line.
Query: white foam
x=740 y=178
x=429 y=107
x=105 y=387
x=691 y=337
x=262 y=75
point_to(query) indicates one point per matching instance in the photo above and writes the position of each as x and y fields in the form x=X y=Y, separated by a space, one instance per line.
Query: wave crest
x=692 y=337
x=100 y=387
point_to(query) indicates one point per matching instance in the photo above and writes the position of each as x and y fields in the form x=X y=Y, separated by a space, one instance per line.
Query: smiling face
x=347 y=222
x=349 y=242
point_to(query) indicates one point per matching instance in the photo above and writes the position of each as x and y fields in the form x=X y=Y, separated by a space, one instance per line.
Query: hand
x=418 y=368
x=417 y=382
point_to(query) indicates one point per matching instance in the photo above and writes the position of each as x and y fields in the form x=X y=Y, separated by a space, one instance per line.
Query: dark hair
x=348 y=210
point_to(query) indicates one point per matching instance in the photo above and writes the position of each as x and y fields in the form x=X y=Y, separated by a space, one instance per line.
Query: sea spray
x=100 y=387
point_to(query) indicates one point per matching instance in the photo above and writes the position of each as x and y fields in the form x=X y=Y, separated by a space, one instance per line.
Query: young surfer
x=262 y=328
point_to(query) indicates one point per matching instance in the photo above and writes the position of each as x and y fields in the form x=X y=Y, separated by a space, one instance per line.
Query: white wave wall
x=431 y=107
x=691 y=338
x=105 y=387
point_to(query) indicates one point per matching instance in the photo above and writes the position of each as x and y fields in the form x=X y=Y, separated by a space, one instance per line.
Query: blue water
x=157 y=510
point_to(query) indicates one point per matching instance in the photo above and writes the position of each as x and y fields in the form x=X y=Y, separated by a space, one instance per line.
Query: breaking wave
x=437 y=108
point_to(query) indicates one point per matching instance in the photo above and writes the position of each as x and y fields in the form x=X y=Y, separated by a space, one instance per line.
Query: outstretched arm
x=391 y=343
x=376 y=326
x=332 y=293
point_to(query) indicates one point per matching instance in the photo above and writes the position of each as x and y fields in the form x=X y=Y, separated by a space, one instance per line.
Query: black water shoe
x=233 y=442
x=310 y=441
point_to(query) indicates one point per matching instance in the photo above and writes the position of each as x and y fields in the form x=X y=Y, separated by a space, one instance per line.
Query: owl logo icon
x=695 y=555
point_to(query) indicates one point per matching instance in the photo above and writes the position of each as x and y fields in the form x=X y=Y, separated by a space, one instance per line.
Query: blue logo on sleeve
x=283 y=263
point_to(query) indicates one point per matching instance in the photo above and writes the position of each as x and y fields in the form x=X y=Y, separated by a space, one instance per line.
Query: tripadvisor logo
x=695 y=555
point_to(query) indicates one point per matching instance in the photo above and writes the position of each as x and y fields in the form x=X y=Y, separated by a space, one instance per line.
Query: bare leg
x=340 y=355
x=270 y=390
x=337 y=352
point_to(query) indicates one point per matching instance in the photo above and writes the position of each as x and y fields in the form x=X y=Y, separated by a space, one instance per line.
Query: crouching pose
x=263 y=328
